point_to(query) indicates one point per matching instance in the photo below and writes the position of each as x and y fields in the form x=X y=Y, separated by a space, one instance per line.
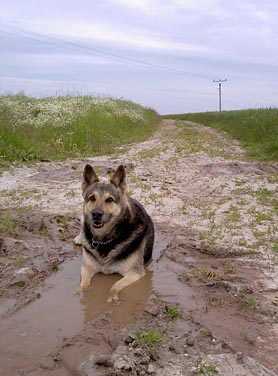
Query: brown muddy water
x=60 y=313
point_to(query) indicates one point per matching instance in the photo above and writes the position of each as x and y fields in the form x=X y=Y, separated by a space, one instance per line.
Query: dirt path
x=214 y=267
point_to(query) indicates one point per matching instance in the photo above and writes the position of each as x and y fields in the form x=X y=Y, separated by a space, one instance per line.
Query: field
x=207 y=304
x=256 y=129
x=58 y=128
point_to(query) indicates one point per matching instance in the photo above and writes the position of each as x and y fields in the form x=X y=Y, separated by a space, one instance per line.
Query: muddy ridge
x=208 y=303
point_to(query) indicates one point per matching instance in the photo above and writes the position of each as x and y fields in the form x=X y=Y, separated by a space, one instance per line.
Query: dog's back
x=141 y=213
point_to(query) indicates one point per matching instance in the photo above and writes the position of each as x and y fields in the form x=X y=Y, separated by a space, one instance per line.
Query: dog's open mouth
x=98 y=224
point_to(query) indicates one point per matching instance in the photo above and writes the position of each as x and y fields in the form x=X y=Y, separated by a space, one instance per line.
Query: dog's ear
x=89 y=177
x=119 y=178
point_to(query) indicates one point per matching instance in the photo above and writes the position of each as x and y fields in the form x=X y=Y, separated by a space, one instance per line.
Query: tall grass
x=256 y=129
x=62 y=127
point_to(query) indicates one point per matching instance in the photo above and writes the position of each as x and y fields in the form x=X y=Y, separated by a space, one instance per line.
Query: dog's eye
x=109 y=200
x=92 y=198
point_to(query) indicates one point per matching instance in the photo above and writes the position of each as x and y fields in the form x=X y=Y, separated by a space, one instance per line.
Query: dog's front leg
x=87 y=273
x=77 y=240
x=128 y=279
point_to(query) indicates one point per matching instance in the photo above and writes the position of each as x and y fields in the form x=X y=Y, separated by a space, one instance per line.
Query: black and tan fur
x=117 y=234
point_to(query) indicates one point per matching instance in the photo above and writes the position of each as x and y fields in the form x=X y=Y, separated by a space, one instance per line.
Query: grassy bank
x=63 y=127
x=256 y=129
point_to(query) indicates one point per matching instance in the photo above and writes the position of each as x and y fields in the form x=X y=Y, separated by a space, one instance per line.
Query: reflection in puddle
x=133 y=298
x=59 y=313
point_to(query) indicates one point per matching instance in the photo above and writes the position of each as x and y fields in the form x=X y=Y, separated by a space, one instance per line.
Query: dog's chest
x=104 y=264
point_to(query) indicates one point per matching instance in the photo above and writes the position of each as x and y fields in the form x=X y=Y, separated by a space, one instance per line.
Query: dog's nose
x=97 y=213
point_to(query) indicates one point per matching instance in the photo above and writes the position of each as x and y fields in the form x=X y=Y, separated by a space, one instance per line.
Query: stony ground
x=213 y=305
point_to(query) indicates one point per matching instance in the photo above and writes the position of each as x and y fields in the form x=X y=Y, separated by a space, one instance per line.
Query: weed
x=229 y=268
x=207 y=238
x=264 y=195
x=240 y=182
x=216 y=301
x=133 y=179
x=246 y=335
x=55 y=267
x=70 y=193
x=249 y=303
x=28 y=193
x=275 y=247
x=242 y=202
x=206 y=274
x=149 y=337
x=17 y=196
x=209 y=215
x=205 y=333
x=8 y=224
x=259 y=216
x=273 y=178
x=233 y=214
x=171 y=312
x=145 y=187
x=238 y=192
x=215 y=228
x=19 y=262
x=183 y=209
x=222 y=201
x=154 y=197
x=63 y=219
x=152 y=153
x=243 y=243
x=207 y=368
x=259 y=234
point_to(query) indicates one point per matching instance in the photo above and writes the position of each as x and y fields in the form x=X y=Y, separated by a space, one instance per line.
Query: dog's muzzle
x=97 y=217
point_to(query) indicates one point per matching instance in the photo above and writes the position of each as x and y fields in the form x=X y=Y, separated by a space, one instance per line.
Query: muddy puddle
x=60 y=312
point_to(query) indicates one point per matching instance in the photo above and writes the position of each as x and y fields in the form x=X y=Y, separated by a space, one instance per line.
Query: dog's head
x=104 y=201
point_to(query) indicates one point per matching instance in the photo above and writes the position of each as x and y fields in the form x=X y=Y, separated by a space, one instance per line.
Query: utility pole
x=219 y=90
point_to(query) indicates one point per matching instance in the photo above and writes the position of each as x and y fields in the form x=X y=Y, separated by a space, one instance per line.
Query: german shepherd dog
x=117 y=234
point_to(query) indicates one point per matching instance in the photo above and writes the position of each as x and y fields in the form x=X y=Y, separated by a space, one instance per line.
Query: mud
x=223 y=288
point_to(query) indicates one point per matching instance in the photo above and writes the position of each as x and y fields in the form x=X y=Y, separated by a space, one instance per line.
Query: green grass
x=275 y=247
x=68 y=127
x=149 y=337
x=207 y=368
x=19 y=262
x=8 y=224
x=55 y=267
x=207 y=274
x=171 y=312
x=249 y=303
x=256 y=129
x=205 y=333
x=191 y=140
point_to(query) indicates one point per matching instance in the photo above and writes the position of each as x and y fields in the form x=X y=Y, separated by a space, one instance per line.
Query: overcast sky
x=94 y=47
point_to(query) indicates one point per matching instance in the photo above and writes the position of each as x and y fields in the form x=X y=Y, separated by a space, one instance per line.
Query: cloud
x=141 y=5
x=172 y=7
x=122 y=36
x=237 y=40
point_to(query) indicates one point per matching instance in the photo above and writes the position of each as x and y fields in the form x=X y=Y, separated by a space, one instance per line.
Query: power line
x=259 y=95
x=41 y=41
x=112 y=56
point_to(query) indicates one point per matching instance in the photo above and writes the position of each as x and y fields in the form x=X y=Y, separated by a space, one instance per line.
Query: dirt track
x=215 y=259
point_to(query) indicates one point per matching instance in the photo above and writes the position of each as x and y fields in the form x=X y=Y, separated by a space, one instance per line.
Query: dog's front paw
x=78 y=292
x=114 y=299
x=77 y=240
x=84 y=286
